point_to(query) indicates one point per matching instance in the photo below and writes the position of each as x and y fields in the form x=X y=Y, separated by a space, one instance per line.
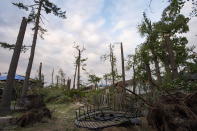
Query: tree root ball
x=176 y=112
x=33 y=116
x=36 y=111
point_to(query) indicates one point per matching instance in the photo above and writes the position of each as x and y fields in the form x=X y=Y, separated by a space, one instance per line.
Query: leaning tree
x=35 y=16
x=7 y=93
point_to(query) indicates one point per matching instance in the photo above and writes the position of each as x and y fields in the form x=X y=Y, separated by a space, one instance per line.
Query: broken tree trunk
x=78 y=76
x=75 y=76
x=7 y=93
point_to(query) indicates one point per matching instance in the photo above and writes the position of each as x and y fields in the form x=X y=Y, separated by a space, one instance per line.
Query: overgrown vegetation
x=58 y=95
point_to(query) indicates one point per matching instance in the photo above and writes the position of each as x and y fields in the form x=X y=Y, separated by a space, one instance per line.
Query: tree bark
x=158 y=73
x=134 y=80
x=40 y=73
x=29 y=67
x=75 y=76
x=112 y=64
x=123 y=68
x=167 y=64
x=57 y=80
x=7 y=92
x=150 y=79
x=68 y=83
x=166 y=60
x=172 y=59
x=148 y=71
x=156 y=62
x=78 y=76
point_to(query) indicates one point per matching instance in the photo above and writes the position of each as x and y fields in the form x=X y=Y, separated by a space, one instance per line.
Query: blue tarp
x=17 y=77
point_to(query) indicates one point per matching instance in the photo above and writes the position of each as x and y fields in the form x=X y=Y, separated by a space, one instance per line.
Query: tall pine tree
x=35 y=17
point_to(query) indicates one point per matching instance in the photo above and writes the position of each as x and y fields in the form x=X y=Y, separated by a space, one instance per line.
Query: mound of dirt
x=176 y=112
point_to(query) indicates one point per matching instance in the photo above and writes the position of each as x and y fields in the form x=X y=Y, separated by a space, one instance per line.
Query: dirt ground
x=63 y=120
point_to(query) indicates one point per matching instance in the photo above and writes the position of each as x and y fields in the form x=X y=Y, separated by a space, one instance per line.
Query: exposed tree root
x=176 y=112
x=33 y=116
x=36 y=111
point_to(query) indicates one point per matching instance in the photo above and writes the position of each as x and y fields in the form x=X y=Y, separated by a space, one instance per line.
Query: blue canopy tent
x=17 y=77
x=3 y=79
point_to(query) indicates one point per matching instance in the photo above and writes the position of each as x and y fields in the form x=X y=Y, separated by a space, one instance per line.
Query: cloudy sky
x=93 y=24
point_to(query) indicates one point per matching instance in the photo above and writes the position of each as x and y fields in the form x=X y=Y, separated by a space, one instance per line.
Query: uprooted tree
x=164 y=62
x=174 y=112
x=36 y=111
x=164 y=55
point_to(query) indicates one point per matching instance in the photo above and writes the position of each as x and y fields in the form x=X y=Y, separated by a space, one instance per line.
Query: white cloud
x=91 y=23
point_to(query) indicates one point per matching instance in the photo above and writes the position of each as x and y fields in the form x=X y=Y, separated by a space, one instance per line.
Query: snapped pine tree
x=78 y=65
x=35 y=16
x=112 y=59
x=75 y=75
x=78 y=76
